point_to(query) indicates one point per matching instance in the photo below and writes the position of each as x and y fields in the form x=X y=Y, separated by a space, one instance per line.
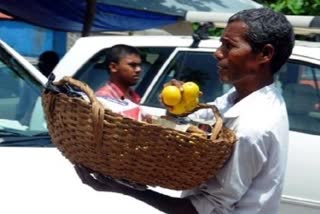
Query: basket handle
x=97 y=107
x=81 y=85
x=219 y=121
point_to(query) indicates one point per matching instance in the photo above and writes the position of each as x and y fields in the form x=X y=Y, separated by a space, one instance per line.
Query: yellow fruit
x=190 y=91
x=178 y=109
x=191 y=104
x=171 y=95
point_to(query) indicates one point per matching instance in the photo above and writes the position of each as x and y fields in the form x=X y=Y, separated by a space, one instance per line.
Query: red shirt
x=112 y=90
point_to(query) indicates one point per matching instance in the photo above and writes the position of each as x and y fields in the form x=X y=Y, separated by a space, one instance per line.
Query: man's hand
x=97 y=181
x=161 y=202
x=175 y=82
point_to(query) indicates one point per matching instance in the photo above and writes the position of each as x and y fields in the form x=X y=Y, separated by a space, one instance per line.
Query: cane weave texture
x=86 y=133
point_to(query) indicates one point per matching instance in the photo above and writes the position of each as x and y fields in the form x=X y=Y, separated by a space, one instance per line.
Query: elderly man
x=254 y=46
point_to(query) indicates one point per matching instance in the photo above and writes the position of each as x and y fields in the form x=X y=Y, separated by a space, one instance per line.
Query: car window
x=95 y=74
x=199 y=67
x=21 y=114
x=300 y=85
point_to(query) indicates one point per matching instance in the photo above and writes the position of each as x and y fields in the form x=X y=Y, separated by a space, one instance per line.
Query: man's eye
x=134 y=64
x=227 y=45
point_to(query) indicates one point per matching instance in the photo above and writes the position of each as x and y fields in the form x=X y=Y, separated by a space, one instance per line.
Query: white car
x=37 y=180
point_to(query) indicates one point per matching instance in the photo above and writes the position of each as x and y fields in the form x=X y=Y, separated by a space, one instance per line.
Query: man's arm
x=164 y=203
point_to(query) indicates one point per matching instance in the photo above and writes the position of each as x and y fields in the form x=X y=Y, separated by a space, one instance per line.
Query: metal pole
x=309 y=23
x=88 y=17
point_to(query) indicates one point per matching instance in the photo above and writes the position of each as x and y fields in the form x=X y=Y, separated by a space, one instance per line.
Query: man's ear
x=113 y=67
x=266 y=53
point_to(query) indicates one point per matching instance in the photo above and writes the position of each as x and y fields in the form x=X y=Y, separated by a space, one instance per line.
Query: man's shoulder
x=263 y=120
x=263 y=114
x=105 y=90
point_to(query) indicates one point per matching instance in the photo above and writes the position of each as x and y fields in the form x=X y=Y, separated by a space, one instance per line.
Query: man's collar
x=130 y=94
x=236 y=108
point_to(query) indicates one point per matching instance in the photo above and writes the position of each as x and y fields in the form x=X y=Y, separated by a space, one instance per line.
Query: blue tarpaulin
x=113 y=15
x=30 y=40
x=68 y=15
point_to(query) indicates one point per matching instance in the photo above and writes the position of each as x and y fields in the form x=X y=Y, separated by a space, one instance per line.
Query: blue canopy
x=113 y=15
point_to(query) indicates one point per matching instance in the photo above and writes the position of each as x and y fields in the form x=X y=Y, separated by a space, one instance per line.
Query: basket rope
x=218 y=123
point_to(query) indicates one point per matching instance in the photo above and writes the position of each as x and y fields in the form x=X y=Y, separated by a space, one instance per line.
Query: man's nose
x=138 y=68
x=218 y=54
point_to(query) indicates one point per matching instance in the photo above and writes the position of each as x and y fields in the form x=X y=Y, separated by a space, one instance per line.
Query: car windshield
x=21 y=116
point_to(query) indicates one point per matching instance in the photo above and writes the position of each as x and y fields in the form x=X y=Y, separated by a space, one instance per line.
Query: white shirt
x=252 y=179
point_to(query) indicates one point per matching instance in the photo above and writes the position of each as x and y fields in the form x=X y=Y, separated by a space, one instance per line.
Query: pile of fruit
x=179 y=101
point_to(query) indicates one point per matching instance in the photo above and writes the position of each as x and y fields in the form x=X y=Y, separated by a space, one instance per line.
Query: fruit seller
x=254 y=46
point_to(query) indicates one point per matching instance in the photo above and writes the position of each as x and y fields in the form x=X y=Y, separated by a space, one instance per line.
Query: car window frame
x=165 y=65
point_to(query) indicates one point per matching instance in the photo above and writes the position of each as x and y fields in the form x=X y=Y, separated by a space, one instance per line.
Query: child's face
x=128 y=69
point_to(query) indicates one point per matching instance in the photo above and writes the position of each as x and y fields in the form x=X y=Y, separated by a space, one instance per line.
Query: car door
x=299 y=81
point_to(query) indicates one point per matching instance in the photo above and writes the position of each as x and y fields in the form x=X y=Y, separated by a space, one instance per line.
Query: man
x=254 y=45
x=47 y=61
x=124 y=66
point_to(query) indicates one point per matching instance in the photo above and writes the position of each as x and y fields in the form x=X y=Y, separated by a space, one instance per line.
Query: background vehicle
x=173 y=57
x=20 y=101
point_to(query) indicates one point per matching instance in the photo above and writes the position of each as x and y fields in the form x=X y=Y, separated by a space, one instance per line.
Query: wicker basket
x=86 y=133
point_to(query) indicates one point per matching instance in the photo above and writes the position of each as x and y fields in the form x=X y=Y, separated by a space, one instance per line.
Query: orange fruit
x=178 y=109
x=190 y=91
x=171 y=95
x=191 y=104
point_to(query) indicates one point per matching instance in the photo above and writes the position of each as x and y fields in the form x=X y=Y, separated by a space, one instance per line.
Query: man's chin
x=133 y=83
x=223 y=79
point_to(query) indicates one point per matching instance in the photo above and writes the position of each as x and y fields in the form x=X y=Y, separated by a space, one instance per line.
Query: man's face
x=127 y=70
x=236 y=61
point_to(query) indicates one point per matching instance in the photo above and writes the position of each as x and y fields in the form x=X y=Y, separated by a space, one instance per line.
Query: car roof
x=307 y=49
x=162 y=41
x=86 y=47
